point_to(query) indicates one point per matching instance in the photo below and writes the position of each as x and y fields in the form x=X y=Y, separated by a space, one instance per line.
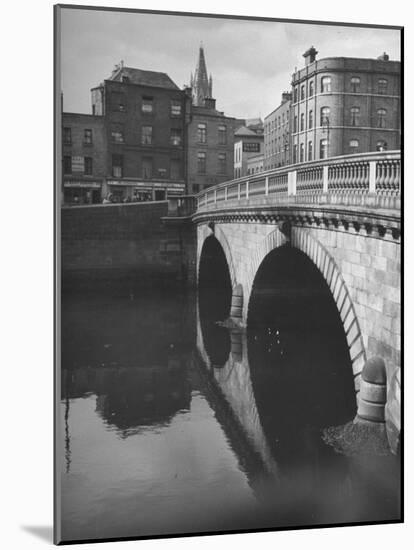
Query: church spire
x=201 y=84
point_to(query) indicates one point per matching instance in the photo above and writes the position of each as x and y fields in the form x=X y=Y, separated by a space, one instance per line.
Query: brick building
x=145 y=128
x=344 y=105
x=84 y=158
x=210 y=135
x=277 y=134
x=247 y=144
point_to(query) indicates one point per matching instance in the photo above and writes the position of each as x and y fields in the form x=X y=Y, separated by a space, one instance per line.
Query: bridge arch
x=325 y=263
x=216 y=231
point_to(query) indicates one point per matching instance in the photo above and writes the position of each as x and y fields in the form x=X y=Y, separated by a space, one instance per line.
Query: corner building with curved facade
x=343 y=105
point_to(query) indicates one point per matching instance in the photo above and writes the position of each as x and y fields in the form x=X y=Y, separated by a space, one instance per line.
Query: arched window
x=381 y=145
x=381 y=114
x=353 y=145
x=382 y=85
x=302 y=92
x=302 y=152
x=325 y=112
x=295 y=95
x=311 y=88
x=355 y=112
x=310 y=119
x=355 y=84
x=326 y=82
x=302 y=122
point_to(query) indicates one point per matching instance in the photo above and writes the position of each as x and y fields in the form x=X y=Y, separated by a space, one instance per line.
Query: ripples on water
x=162 y=437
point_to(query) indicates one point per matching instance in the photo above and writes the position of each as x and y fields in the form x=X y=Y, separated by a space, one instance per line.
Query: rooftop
x=243 y=131
x=144 y=78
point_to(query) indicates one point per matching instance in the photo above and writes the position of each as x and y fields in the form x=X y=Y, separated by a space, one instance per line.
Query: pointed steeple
x=201 y=85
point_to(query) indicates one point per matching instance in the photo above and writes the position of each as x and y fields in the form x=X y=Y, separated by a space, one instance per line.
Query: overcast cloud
x=251 y=61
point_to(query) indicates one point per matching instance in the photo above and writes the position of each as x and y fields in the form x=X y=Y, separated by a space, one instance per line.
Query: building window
x=353 y=145
x=175 y=137
x=67 y=165
x=325 y=112
x=381 y=145
x=355 y=112
x=117 y=165
x=302 y=122
x=202 y=133
x=222 y=164
x=67 y=136
x=382 y=85
x=222 y=134
x=88 y=166
x=118 y=102
x=323 y=149
x=201 y=162
x=295 y=95
x=311 y=88
x=310 y=119
x=302 y=92
x=302 y=152
x=381 y=114
x=146 y=166
x=310 y=150
x=147 y=105
x=355 y=84
x=326 y=84
x=146 y=135
x=295 y=154
x=295 y=124
x=175 y=108
x=175 y=169
x=87 y=136
x=117 y=135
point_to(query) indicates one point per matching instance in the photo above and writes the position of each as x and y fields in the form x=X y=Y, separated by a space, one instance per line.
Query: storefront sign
x=251 y=147
x=82 y=184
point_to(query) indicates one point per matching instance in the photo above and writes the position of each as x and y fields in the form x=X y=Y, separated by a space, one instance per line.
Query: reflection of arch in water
x=214 y=299
x=234 y=385
x=298 y=352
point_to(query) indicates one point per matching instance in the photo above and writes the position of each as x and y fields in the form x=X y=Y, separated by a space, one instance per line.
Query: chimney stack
x=384 y=57
x=286 y=96
x=310 y=55
x=209 y=103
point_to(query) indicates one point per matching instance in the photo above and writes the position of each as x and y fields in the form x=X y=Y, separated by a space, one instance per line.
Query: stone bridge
x=343 y=214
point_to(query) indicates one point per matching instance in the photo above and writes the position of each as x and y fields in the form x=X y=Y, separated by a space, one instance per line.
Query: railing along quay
x=369 y=179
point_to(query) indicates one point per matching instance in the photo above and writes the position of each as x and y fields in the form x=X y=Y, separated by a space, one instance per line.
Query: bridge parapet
x=370 y=180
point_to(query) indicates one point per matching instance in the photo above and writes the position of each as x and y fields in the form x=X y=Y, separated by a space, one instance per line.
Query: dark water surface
x=172 y=424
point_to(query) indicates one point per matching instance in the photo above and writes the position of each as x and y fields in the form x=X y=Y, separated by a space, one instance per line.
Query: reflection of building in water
x=131 y=397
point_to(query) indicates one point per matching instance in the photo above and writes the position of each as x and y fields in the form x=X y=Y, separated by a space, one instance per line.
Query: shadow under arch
x=214 y=300
x=298 y=354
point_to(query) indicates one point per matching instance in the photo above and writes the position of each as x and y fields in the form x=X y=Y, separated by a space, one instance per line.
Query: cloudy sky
x=251 y=61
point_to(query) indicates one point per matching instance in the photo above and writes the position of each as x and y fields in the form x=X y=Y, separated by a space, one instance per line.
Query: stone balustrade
x=351 y=177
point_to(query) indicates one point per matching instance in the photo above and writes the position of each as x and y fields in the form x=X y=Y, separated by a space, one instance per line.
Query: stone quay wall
x=134 y=243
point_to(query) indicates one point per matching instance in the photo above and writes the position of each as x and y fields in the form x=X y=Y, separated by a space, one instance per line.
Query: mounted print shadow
x=228 y=303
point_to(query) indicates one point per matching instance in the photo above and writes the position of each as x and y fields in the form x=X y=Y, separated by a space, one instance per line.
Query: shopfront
x=82 y=192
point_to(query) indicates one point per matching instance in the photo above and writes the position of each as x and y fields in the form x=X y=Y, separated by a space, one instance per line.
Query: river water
x=173 y=424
